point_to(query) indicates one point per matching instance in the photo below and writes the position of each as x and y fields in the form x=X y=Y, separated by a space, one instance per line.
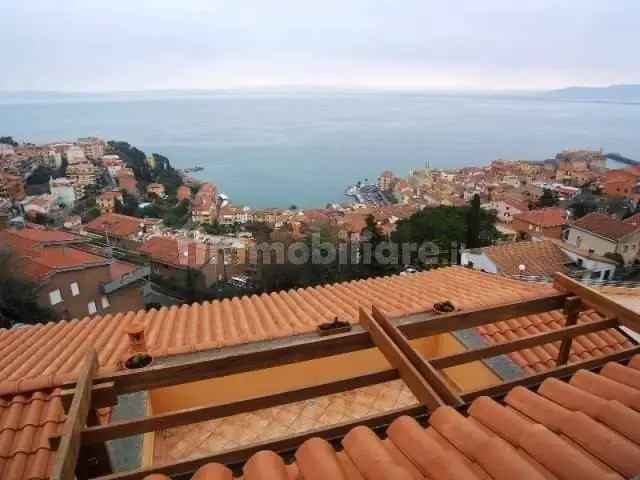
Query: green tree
x=8 y=141
x=473 y=223
x=446 y=228
x=40 y=175
x=372 y=237
x=177 y=216
x=128 y=206
x=548 y=198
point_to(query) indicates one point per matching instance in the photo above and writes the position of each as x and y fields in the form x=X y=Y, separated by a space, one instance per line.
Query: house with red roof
x=538 y=224
x=122 y=230
x=603 y=235
x=71 y=280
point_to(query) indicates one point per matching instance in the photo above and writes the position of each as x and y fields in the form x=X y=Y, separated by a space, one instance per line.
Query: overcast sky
x=92 y=45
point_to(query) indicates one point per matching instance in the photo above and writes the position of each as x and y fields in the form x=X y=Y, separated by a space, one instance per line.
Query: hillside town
x=141 y=233
x=160 y=351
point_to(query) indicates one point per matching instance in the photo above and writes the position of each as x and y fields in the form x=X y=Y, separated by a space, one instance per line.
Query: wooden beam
x=104 y=395
x=571 y=313
x=314 y=347
x=559 y=372
x=452 y=360
x=598 y=301
x=396 y=357
x=428 y=372
x=450 y=322
x=285 y=444
x=67 y=457
x=102 y=433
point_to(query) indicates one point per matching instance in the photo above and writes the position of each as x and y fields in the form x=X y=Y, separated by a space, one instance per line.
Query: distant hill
x=613 y=92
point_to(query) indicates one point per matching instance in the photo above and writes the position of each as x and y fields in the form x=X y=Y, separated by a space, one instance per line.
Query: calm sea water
x=276 y=149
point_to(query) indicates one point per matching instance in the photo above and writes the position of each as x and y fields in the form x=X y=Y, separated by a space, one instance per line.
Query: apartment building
x=601 y=234
x=73 y=282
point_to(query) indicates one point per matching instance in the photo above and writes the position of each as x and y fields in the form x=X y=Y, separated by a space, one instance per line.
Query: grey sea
x=304 y=148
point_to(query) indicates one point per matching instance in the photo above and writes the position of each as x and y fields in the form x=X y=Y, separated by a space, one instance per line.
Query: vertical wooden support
x=428 y=372
x=69 y=450
x=572 y=308
x=416 y=383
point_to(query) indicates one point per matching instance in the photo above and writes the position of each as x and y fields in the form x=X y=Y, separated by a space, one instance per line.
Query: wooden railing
x=422 y=376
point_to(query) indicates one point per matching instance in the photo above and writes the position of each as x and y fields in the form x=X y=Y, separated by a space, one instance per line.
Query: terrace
x=435 y=382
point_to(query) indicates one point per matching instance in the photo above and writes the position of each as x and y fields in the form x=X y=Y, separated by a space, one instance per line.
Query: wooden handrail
x=278 y=445
x=315 y=347
x=452 y=360
x=70 y=443
x=598 y=301
x=187 y=416
x=558 y=372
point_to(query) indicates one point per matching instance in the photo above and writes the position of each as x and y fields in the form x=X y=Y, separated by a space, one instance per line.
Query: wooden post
x=67 y=457
x=428 y=372
x=416 y=383
x=572 y=309
x=599 y=302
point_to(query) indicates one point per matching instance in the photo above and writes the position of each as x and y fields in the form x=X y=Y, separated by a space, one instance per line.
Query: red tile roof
x=540 y=358
x=115 y=224
x=45 y=236
x=39 y=260
x=179 y=253
x=43 y=356
x=588 y=428
x=605 y=226
x=539 y=258
x=26 y=423
x=545 y=217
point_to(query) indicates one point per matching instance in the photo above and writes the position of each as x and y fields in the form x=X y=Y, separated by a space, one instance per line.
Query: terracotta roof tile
x=539 y=258
x=560 y=432
x=605 y=226
x=545 y=217
x=115 y=224
x=228 y=322
x=26 y=423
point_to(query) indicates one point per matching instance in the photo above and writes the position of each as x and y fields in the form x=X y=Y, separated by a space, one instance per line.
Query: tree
x=446 y=228
x=178 y=215
x=473 y=223
x=582 y=205
x=548 y=198
x=19 y=296
x=372 y=237
x=91 y=214
x=128 y=206
x=40 y=175
x=8 y=141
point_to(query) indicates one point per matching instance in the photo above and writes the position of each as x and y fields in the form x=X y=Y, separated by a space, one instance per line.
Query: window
x=625 y=249
x=606 y=274
x=92 y=308
x=566 y=234
x=595 y=275
x=55 y=297
x=578 y=241
x=75 y=289
x=105 y=302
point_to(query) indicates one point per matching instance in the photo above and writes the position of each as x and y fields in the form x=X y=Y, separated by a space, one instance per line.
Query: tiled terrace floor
x=263 y=425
